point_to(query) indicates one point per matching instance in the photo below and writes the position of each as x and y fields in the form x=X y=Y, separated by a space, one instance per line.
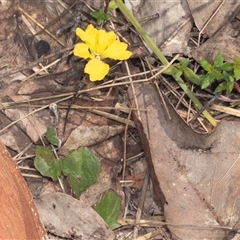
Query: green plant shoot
x=100 y=16
x=223 y=73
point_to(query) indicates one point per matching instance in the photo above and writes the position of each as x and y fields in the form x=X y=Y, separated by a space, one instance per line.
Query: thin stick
x=41 y=26
x=125 y=146
x=140 y=205
x=37 y=110
x=229 y=169
x=69 y=95
x=42 y=69
x=127 y=121
x=210 y=19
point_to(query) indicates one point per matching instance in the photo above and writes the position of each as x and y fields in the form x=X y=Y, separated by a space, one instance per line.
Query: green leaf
x=112 y=5
x=100 y=16
x=206 y=65
x=229 y=87
x=46 y=163
x=218 y=60
x=227 y=66
x=221 y=87
x=236 y=67
x=191 y=76
x=178 y=73
x=82 y=168
x=109 y=208
x=226 y=76
x=216 y=74
x=207 y=81
x=99 y=21
x=184 y=63
x=52 y=136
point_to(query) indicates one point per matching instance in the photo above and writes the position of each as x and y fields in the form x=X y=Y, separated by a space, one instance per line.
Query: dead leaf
x=171 y=30
x=68 y=217
x=223 y=41
x=85 y=136
x=195 y=177
x=34 y=125
x=218 y=12
x=13 y=137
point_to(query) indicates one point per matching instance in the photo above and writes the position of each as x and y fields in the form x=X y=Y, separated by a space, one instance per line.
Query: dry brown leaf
x=68 y=217
x=224 y=41
x=195 y=177
x=85 y=136
x=171 y=30
x=218 y=12
x=35 y=126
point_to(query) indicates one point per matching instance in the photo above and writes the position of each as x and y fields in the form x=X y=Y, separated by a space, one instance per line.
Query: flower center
x=97 y=56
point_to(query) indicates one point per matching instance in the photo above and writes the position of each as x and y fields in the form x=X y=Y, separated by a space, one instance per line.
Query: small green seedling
x=100 y=16
x=221 y=72
x=81 y=167
x=226 y=73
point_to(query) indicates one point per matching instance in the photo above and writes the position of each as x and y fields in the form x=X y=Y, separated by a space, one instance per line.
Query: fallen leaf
x=222 y=41
x=108 y=208
x=35 y=126
x=67 y=217
x=86 y=136
x=195 y=177
x=219 y=14
x=82 y=168
x=170 y=34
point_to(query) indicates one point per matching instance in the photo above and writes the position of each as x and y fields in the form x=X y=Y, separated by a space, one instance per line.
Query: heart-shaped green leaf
x=46 y=163
x=82 y=168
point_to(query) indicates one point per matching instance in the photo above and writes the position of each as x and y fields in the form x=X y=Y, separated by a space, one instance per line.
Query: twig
x=209 y=20
x=125 y=146
x=40 y=25
x=140 y=205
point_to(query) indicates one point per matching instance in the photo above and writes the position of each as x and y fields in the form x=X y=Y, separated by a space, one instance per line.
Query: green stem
x=141 y=31
x=171 y=70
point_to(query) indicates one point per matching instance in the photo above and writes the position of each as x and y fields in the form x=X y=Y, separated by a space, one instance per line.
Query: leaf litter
x=190 y=168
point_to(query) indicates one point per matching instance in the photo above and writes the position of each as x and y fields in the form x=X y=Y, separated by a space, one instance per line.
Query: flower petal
x=96 y=69
x=104 y=39
x=89 y=36
x=117 y=51
x=81 y=50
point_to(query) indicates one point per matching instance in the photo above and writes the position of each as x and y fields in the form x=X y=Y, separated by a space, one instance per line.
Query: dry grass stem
x=40 y=26
x=228 y=110
x=209 y=20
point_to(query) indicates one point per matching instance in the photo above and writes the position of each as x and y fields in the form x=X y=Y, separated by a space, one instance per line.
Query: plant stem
x=171 y=70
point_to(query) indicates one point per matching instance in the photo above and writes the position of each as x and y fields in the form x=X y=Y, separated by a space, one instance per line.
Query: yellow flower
x=99 y=44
